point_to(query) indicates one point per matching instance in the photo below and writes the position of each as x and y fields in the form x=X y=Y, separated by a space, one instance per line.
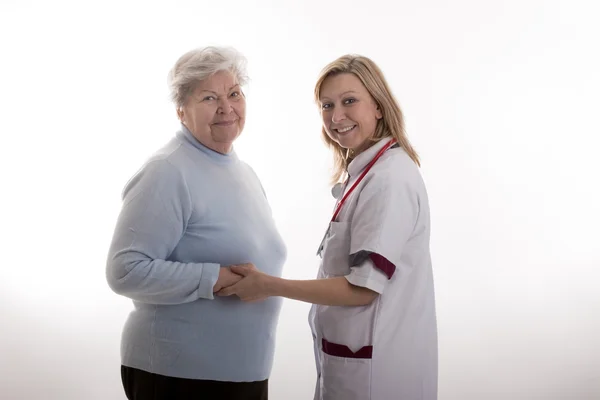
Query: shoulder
x=168 y=160
x=393 y=191
x=395 y=170
x=164 y=159
x=154 y=173
x=160 y=171
x=175 y=154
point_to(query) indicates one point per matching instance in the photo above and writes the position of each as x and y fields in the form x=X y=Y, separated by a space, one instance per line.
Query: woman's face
x=348 y=111
x=215 y=112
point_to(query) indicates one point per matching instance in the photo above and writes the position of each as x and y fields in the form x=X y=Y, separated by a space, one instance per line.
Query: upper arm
x=367 y=275
x=384 y=220
x=154 y=217
x=156 y=209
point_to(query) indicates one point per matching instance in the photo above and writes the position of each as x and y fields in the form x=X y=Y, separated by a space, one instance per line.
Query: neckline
x=186 y=136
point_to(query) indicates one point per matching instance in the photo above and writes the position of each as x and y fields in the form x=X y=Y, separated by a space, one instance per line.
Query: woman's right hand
x=228 y=278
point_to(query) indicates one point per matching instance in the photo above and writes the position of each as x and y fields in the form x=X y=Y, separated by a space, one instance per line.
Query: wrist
x=275 y=286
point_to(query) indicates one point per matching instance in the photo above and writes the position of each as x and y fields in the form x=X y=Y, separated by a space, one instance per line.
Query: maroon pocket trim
x=340 y=350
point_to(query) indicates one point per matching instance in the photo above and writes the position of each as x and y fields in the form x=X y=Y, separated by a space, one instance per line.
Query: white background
x=501 y=101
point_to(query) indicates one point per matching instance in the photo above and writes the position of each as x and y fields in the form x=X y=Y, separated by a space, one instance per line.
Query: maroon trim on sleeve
x=340 y=350
x=382 y=264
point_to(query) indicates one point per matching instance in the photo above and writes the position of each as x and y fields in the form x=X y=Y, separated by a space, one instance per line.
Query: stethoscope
x=338 y=189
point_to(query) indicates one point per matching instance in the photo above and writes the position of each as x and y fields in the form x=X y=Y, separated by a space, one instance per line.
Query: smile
x=346 y=129
x=225 y=123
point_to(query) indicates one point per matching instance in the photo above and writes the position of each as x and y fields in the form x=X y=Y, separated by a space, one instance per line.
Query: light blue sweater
x=187 y=212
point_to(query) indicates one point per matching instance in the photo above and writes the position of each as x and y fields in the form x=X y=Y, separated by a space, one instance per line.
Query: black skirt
x=142 y=385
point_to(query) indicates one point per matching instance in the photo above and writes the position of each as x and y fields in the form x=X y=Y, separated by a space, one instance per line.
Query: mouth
x=344 y=130
x=225 y=123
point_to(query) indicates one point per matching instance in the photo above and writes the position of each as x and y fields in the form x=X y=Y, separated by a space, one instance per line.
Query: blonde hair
x=390 y=125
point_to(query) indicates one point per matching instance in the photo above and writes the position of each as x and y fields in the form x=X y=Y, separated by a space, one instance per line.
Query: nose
x=224 y=106
x=338 y=115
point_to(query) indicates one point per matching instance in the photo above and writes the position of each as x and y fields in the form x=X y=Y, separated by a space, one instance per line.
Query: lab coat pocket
x=345 y=375
x=336 y=250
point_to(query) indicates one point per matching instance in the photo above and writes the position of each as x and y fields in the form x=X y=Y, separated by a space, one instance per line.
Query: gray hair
x=199 y=64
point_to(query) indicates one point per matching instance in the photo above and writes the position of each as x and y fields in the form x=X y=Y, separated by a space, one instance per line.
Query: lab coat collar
x=363 y=159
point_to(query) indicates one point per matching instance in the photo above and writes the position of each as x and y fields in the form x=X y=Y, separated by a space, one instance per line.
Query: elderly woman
x=192 y=211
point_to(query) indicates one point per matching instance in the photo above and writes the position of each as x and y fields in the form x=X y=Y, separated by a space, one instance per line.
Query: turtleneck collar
x=186 y=136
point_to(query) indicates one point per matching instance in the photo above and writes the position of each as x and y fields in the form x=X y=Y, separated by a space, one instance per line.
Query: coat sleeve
x=367 y=275
x=382 y=225
x=154 y=216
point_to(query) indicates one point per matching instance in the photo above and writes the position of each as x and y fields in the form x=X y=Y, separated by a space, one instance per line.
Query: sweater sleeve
x=154 y=215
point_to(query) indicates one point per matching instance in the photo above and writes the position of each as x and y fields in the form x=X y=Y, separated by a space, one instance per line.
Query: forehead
x=221 y=81
x=336 y=85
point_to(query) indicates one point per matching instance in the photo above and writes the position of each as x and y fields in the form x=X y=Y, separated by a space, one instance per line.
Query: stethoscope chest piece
x=336 y=190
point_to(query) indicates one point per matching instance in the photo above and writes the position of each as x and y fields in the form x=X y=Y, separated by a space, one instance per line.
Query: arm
x=328 y=292
x=337 y=291
x=154 y=216
x=379 y=233
x=385 y=219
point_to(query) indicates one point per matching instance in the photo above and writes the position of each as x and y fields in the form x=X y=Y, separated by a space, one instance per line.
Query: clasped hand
x=244 y=281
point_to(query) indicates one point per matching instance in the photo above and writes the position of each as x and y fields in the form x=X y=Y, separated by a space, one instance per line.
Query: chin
x=228 y=135
x=347 y=144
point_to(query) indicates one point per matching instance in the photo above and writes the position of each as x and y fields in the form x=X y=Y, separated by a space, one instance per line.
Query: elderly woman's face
x=215 y=112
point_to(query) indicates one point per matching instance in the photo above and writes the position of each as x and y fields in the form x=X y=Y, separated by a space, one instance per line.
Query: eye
x=349 y=101
x=325 y=106
x=235 y=94
x=208 y=98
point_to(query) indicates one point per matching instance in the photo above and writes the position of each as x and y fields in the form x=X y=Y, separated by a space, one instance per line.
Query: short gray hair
x=199 y=64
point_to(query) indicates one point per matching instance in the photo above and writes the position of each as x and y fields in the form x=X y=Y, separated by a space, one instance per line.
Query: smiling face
x=215 y=112
x=348 y=111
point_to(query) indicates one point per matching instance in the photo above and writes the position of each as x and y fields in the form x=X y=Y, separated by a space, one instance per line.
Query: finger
x=228 y=291
x=240 y=269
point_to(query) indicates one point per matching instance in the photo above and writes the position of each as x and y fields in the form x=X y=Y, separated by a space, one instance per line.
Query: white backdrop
x=501 y=101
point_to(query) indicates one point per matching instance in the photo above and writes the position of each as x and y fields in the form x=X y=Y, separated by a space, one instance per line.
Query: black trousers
x=142 y=385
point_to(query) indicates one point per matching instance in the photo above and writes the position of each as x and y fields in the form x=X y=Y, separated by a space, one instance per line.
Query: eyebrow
x=212 y=91
x=342 y=94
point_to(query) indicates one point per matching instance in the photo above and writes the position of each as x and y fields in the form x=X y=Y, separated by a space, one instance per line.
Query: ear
x=180 y=114
x=378 y=113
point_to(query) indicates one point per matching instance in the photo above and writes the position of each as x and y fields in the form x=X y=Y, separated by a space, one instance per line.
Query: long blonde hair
x=392 y=123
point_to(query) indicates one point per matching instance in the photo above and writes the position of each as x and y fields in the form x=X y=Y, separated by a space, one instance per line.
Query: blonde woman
x=373 y=317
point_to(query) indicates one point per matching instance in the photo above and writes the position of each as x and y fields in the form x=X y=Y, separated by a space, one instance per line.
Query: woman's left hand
x=254 y=286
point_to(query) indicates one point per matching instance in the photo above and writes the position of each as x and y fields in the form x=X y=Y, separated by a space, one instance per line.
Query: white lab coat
x=388 y=349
